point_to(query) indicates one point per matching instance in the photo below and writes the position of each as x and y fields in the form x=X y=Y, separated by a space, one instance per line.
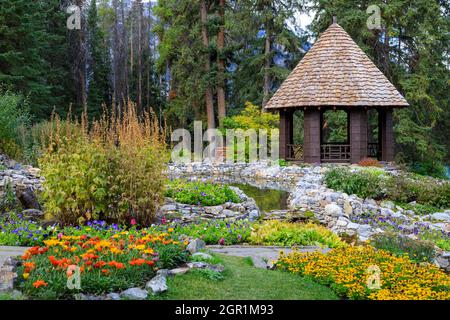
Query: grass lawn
x=243 y=281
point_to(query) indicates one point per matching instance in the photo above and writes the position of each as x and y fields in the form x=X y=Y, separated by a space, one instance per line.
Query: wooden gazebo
x=336 y=74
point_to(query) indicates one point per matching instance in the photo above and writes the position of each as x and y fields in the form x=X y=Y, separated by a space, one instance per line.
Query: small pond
x=266 y=199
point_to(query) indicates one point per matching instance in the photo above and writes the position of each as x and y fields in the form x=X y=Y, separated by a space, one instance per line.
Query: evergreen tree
x=99 y=64
x=32 y=42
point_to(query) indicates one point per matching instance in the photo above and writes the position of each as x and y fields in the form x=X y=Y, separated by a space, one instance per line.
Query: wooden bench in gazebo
x=336 y=74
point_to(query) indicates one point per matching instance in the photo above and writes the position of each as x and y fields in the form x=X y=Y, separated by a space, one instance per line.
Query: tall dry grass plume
x=122 y=174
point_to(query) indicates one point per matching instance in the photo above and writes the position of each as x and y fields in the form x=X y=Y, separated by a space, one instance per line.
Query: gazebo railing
x=335 y=152
x=294 y=152
x=372 y=150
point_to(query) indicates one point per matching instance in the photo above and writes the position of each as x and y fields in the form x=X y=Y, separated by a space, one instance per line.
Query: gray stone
x=254 y=215
x=333 y=210
x=113 y=296
x=169 y=207
x=353 y=226
x=202 y=255
x=163 y=272
x=440 y=216
x=348 y=208
x=214 y=210
x=7 y=278
x=32 y=215
x=178 y=271
x=158 y=284
x=195 y=245
x=134 y=294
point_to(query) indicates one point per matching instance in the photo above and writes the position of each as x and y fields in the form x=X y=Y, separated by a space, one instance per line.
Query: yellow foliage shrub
x=274 y=232
x=111 y=169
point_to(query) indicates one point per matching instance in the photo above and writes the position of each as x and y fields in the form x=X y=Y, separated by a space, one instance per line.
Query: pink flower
x=222 y=241
x=60 y=235
x=163 y=221
x=133 y=222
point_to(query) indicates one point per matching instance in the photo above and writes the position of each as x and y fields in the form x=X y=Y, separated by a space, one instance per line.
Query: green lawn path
x=242 y=281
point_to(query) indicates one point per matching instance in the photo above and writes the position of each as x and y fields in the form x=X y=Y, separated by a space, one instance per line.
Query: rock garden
x=104 y=215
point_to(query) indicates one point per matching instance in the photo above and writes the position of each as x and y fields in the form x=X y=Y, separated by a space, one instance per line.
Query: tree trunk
x=221 y=65
x=267 y=65
x=82 y=63
x=208 y=91
x=139 y=67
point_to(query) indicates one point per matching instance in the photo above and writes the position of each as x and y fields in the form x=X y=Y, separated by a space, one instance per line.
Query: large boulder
x=158 y=284
x=333 y=209
x=27 y=198
x=195 y=245
x=134 y=294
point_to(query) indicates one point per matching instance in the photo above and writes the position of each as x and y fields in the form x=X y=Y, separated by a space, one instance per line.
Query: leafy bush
x=419 y=209
x=107 y=264
x=428 y=192
x=200 y=193
x=111 y=170
x=252 y=117
x=430 y=168
x=347 y=270
x=402 y=188
x=13 y=117
x=217 y=232
x=417 y=250
x=8 y=199
x=365 y=184
x=279 y=233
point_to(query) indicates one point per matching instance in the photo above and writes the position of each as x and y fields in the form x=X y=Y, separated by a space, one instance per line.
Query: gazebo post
x=286 y=132
x=312 y=133
x=386 y=128
x=358 y=134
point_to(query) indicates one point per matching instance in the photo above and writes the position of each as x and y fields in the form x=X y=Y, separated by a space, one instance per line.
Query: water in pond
x=266 y=199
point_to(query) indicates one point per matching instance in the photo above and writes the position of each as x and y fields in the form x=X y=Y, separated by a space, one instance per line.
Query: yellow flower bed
x=348 y=271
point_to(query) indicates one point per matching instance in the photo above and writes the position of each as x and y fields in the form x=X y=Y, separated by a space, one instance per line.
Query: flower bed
x=200 y=193
x=109 y=263
x=345 y=270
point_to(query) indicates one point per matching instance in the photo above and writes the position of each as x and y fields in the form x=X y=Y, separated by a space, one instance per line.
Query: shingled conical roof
x=336 y=72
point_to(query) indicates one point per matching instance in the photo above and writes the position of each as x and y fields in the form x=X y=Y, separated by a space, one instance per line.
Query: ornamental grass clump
x=111 y=169
x=279 y=233
x=353 y=272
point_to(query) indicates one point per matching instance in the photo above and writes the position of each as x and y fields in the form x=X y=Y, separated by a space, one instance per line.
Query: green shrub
x=200 y=193
x=8 y=200
x=112 y=171
x=13 y=116
x=365 y=184
x=419 y=209
x=215 y=232
x=402 y=188
x=433 y=169
x=428 y=192
x=279 y=233
x=418 y=250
